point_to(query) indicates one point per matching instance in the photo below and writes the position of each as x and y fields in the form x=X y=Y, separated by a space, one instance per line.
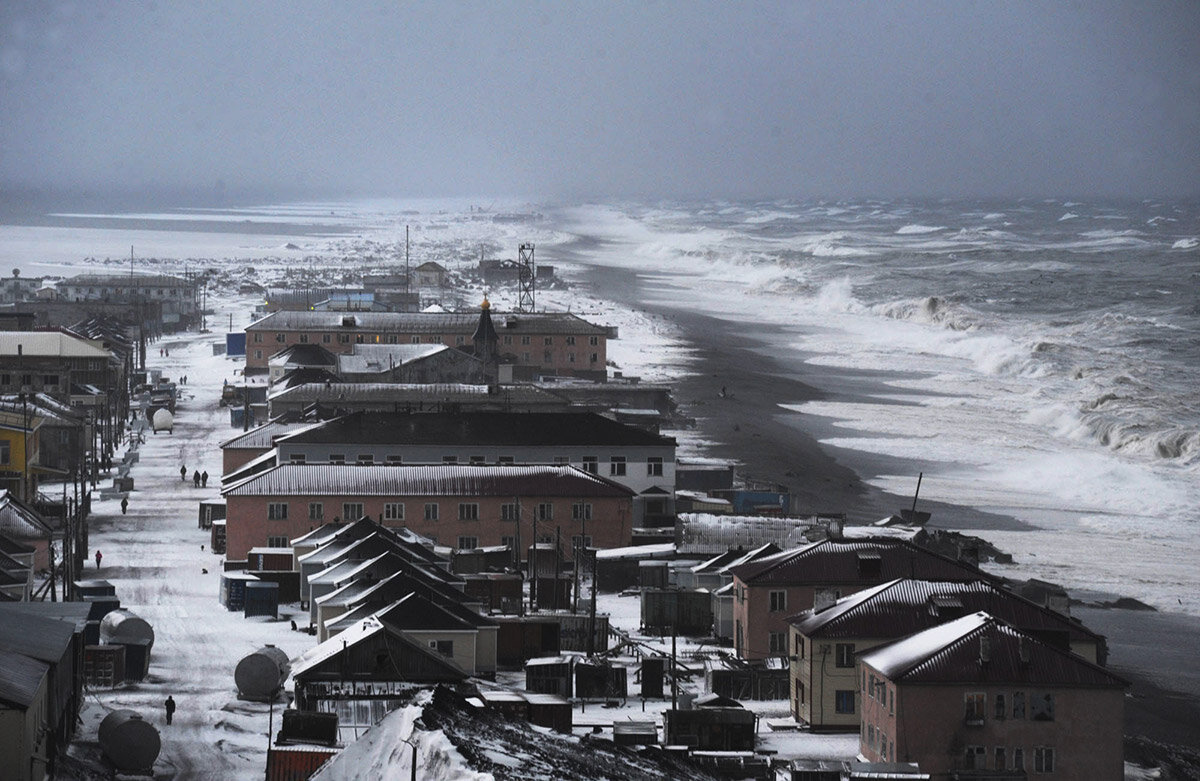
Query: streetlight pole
x=413 y=774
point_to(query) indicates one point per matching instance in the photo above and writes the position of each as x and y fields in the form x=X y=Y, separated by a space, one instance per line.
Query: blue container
x=235 y=343
x=233 y=589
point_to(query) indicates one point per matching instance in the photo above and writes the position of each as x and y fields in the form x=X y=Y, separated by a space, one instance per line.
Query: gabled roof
x=380 y=358
x=320 y=535
x=14 y=547
x=478 y=428
x=430 y=664
x=981 y=649
x=387 y=480
x=409 y=393
x=871 y=560
x=264 y=436
x=903 y=606
x=44 y=639
x=304 y=355
x=19 y=521
x=414 y=613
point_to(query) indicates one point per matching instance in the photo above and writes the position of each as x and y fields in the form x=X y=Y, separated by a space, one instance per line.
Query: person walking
x=183 y=473
x=170 y=706
x=124 y=505
x=196 y=478
x=204 y=479
x=98 y=557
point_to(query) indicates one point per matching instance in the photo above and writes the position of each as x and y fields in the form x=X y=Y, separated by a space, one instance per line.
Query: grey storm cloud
x=603 y=99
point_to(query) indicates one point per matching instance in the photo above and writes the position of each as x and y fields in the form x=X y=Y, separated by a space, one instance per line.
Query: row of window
x=617 y=465
x=48 y=380
x=975 y=706
x=281 y=337
x=394 y=511
x=877 y=740
x=1004 y=758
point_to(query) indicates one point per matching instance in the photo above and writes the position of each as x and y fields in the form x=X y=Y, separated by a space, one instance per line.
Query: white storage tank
x=130 y=742
x=261 y=674
x=163 y=420
x=122 y=626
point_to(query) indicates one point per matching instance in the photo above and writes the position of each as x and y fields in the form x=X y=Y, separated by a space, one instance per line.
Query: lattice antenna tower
x=526 y=275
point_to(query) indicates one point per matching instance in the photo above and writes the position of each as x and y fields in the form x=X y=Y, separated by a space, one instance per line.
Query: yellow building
x=18 y=430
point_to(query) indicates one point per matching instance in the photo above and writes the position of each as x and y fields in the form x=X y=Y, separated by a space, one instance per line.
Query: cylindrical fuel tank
x=121 y=626
x=262 y=673
x=130 y=743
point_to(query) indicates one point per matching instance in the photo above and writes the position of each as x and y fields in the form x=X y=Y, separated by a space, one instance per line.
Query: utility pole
x=517 y=553
x=407 y=272
x=533 y=567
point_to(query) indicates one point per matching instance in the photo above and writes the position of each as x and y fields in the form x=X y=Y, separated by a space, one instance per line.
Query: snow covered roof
x=458 y=480
x=662 y=550
x=334 y=645
x=378 y=358
x=263 y=437
x=49 y=343
x=981 y=649
x=425 y=322
x=842 y=561
x=411 y=393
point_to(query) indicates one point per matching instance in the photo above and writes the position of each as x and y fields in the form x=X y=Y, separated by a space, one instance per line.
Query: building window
x=549 y=340
x=508 y=541
x=525 y=340
x=799 y=692
x=277 y=541
x=393 y=511
x=581 y=511
x=443 y=647
x=974 y=707
x=277 y=511
x=280 y=338
x=415 y=340
x=591 y=465
x=593 y=340
x=581 y=542
x=460 y=340
x=545 y=511
x=1043 y=759
x=258 y=355
x=974 y=758
x=843 y=701
x=547 y=356
x=506 y=460
x=1000 y=709
x=525 y=357
x=844 y=655
x=570 y=357
x=1041 y=706
x=1018 y=705
x=431 y=511
x=476 y=460
x=1018 y=762
x=594 y=358
x=449 y=459
x=365 y=459
x=303 y=338
x=5 y=452
x=337 y=458
x=296 y=458
x=616 y=466
x=778 y=601
x=798 y=641
x=257 y=338
x=468 y=511
x=468 y=543
x=508 y=339
x=999 y=758
x=326 y=338
x=394 y=459
x=352 y=511
x=508 y=511
x=344 y=338
x=50 y=380
x=654 y=466
x=777 y=643
x=571 y=340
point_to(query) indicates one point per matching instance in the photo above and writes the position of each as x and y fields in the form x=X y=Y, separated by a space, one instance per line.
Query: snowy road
x=153 y=556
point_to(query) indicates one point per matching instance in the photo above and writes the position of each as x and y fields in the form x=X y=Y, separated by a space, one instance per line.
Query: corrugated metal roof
x=838 y=561
x=44 y=639
x=20 y=679
x=478 y=428
x=18 y=521
x=902 y=606
x=263 y=437
x=954 y=653
x=385 y=357
x=335 y=645
x=385 y=480
x=426 y=322
x=14 y=547
x=411 y=393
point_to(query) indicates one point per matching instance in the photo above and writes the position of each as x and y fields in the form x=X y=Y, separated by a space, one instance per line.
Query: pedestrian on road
x=98 y=557
x=170 y=706
x=196 y=479
x=204 y=479
x=124 y=505
x=183 y=473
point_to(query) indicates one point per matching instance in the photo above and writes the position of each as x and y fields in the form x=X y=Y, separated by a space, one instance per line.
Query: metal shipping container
x=261 y=599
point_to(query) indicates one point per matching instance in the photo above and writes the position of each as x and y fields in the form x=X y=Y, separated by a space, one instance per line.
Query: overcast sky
x=565 y=100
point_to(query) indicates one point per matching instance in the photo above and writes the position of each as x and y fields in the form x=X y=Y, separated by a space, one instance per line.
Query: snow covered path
x=153 y=556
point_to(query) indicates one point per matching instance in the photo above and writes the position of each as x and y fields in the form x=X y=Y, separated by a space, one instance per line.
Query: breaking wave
x=917 y=229
x=932 y=310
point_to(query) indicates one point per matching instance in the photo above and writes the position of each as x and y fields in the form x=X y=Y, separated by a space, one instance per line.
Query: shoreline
x=771 y=443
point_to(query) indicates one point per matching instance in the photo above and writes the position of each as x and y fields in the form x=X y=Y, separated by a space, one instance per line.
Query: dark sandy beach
x=1155 y=651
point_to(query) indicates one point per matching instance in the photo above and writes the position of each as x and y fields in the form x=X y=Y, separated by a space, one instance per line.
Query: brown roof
x=856 y=562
